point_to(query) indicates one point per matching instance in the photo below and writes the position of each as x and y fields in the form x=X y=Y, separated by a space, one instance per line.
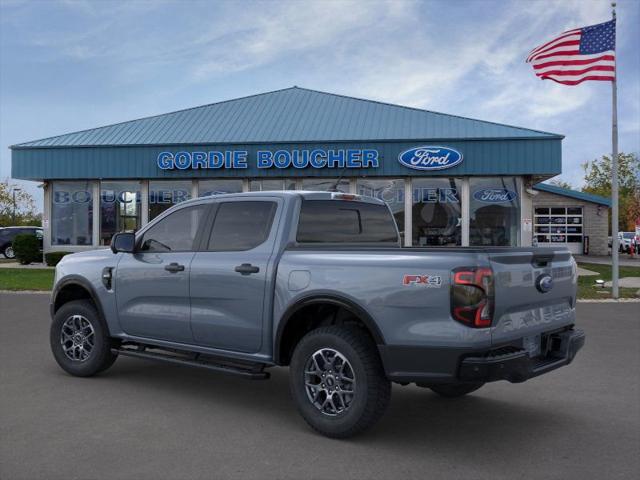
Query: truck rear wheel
x=453 y=390
x=79 y=339
x=337 y=381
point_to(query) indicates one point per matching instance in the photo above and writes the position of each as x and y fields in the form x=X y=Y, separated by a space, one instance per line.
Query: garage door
x=555 y=226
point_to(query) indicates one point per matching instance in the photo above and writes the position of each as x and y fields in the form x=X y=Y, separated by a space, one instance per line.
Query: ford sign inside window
x=430 y=158
x=495 y=195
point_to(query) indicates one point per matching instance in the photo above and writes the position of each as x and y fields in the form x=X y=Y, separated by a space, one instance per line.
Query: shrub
x=53 y=258
x=27 y=248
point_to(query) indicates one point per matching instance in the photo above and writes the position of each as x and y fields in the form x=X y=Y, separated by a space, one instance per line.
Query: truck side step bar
x=251 y=371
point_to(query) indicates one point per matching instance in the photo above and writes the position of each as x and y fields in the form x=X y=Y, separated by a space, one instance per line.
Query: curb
x=26 y=292
x=609 y=300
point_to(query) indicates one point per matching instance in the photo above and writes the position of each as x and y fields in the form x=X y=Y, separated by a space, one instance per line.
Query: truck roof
x=305 y=194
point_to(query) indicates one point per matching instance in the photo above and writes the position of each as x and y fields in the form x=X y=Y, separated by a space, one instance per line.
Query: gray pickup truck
x=319 y=282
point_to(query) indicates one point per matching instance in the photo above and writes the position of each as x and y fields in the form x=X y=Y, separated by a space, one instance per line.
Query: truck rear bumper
x=518 y=366
x=512 y=363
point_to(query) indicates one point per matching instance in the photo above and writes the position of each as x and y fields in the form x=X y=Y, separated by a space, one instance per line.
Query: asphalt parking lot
x=149 y=420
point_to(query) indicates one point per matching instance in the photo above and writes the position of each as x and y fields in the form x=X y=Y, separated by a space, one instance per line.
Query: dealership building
x=448 y=180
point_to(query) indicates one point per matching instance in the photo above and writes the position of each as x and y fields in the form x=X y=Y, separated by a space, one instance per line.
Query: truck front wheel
x=80 y=340
x=337 y=381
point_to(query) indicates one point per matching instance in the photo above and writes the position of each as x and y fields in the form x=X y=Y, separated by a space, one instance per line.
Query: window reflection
x=119 y=209
x=271 y=185
x=494 y=209
x=207 y=188
x=325 y=184
x=165 y=194
x=436 y=214
x=391 y=191
x=72 y=213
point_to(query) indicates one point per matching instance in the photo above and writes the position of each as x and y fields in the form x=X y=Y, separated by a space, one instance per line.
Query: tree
x=25 y=207
x=558 y=182
x=597 y=180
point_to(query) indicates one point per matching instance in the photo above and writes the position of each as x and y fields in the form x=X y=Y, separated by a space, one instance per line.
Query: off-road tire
x=453 y=390
x=100 y=358
x=372 y=390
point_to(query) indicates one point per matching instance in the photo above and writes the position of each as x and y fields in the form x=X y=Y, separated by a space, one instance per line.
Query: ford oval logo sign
x=430 y=158
x=544 y=283
x=495 y=195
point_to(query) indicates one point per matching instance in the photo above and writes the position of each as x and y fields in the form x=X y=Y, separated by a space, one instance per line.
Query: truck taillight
x=472 y=297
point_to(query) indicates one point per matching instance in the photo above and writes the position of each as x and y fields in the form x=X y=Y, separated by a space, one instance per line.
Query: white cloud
x=411 y=53
x=282 y=30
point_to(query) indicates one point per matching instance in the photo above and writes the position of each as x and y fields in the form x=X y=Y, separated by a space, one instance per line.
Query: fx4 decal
x=428 y=281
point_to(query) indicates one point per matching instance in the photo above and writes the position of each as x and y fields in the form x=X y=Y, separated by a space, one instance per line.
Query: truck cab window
x=331 y=221
x=174 y=233
x=241 y=225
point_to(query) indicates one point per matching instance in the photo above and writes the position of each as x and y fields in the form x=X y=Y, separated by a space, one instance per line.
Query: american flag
x=587 y=53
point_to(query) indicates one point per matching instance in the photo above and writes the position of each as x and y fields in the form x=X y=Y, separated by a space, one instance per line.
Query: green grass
x=26 y=279
x=586 y=284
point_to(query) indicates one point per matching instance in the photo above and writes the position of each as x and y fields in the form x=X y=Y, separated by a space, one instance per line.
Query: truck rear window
x=340 y=221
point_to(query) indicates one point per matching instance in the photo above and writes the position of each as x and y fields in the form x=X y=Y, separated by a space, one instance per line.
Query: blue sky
x=72 y=65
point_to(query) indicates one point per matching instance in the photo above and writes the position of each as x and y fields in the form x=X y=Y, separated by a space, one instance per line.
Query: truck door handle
x=247 y=269
x=174 y=267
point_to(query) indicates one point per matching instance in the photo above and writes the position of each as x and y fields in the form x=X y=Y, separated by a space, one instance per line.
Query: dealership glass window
x=119 y=208
x=207 y=188
x=553 y=225
x=391 y=191
x=165 y=194
x=494 y=211
x=324 y=184
x=272 y=184
x=436 y=213
x=72 y=213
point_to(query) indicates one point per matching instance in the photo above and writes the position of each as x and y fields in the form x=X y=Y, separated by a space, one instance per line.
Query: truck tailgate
x=527 y=302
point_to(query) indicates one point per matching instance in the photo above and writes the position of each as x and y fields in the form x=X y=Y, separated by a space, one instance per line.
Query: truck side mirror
x=123 y=242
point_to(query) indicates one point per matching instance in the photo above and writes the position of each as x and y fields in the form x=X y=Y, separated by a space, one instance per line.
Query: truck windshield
x=340 y=221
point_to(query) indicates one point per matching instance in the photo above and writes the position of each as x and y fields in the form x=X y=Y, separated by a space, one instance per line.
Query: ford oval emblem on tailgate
x=430 y=158
x=544 y=283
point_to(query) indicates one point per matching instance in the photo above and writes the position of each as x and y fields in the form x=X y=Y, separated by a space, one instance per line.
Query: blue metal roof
x=289 y=116
x=565 y=192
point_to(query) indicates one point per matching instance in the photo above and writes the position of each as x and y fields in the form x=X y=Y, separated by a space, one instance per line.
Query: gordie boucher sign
x=237 y=159
x=418 y=158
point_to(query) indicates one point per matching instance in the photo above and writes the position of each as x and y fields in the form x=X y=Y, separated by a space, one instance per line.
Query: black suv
x=7 y=235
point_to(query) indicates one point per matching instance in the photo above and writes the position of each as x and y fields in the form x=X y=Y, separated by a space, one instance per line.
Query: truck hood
x=87 y=264
x=100 y=254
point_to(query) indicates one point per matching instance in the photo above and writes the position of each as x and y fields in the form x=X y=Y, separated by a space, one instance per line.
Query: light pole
x=14 y=203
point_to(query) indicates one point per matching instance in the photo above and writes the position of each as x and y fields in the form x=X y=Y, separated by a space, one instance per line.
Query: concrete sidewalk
x=624 y=260
x=31 y=266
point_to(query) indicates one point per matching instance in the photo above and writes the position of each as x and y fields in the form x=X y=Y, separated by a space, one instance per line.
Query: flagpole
x=614 y=176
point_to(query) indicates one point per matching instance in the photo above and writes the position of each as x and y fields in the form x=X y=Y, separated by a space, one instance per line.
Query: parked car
x=625 y=241
x=316 y=281
x=7 y=234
